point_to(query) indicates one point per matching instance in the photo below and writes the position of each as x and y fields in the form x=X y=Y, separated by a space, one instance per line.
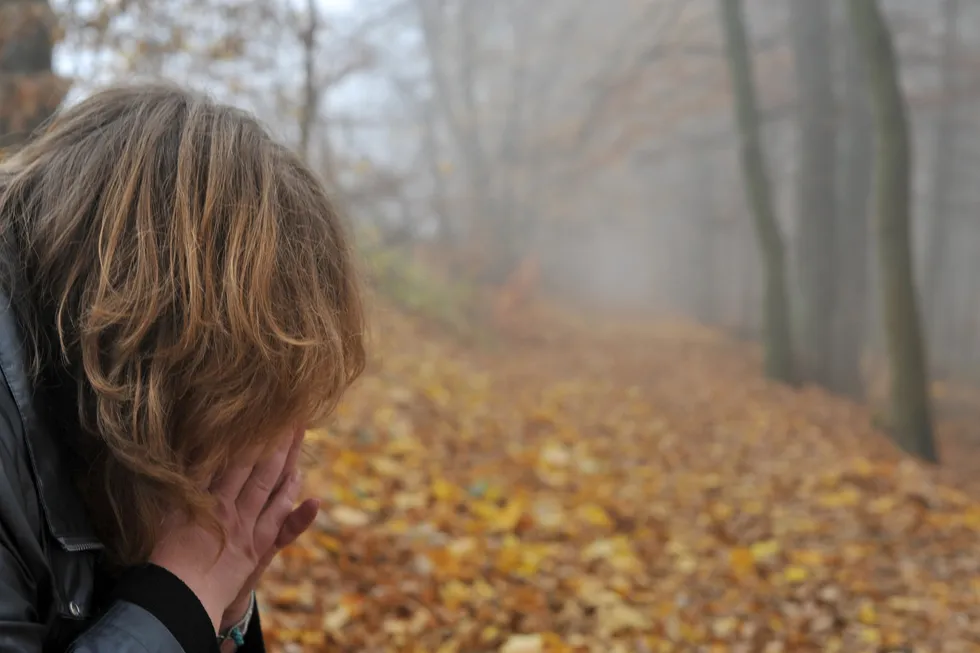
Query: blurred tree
x=779 y=355
x=453 y=73
x=856 y=160
x=943 y=166
x=910 y=418
x=29 y=91
x=479 y=59
x=311 y=92
x=816 y=121
x=701 y=255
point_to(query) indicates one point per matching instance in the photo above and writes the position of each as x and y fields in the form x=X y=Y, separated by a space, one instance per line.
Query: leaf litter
x=615 y=487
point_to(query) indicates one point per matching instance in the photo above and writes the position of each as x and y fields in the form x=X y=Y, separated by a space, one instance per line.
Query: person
x=180 y=304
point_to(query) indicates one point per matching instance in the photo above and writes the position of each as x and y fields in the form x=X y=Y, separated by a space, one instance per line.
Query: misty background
x=716 y=161
x=595 y=145
x=675 y=321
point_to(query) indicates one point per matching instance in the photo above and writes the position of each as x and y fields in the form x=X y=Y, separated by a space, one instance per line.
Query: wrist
x=235 y=630
x=235 y=612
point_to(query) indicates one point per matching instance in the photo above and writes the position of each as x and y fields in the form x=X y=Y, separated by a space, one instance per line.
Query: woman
x=180 y=306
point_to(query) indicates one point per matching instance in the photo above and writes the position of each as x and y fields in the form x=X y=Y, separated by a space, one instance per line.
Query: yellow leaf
x=556 y=454
x=870 y=636
x=594 y=514
x=328 y=542
x=617 y=551
x=615 y=618
x=454 y=594
x=722 y=511
x=724 y=627
x=336 y=619
x=882 y=505
x=867 y=614
x=795 y=574
x=506 y=519
x=484 y=590
x=764 y=550
x=443 y=490
x=387 y=467
x=523 y=644
x=843 y=498
x=548 y=513
x=742 y=561
x=316 y=436
x=347 y=516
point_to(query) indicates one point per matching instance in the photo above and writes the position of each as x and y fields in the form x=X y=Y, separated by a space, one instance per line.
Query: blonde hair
x=195 y=279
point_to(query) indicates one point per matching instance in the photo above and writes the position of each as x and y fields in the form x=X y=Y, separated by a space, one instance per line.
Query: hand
x=298 y=521
x=254 y=500
x=295 y=524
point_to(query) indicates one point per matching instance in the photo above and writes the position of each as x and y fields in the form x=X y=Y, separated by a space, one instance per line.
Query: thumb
x=297 y=522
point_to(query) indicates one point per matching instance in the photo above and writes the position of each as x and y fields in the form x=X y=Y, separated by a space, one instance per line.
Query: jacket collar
x=63 y=509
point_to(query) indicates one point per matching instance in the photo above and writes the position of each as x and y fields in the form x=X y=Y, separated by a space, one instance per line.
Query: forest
x=673 y=340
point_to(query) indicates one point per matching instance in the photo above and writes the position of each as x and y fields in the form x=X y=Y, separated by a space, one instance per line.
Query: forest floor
x=613 y=487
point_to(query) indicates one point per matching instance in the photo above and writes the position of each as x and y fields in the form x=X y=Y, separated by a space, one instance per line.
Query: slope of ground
x=615 y=487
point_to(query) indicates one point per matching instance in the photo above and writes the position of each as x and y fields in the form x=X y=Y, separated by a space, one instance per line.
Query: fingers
x=299 y=434
x=232 y=480
x=262 y=481
x=297 y=522
x=275 y=512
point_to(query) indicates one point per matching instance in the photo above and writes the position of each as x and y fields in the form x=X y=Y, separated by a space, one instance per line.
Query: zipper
x=81 y=546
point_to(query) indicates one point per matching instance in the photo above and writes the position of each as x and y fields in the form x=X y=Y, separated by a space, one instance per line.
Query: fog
x=663 y=201
x=596 y=145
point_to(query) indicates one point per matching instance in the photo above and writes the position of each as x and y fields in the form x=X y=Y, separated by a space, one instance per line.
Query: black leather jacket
x=53 y=597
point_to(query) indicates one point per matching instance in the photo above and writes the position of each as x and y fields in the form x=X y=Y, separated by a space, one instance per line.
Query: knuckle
x=223 y=509
x=262 y=484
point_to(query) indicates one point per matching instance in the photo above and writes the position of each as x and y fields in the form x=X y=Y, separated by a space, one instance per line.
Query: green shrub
x=411 y=286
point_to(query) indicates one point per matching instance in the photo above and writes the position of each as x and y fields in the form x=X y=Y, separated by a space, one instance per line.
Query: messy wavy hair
x=193 y=279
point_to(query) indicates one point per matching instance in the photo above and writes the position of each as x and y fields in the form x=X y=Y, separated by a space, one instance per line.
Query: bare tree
x=943 y=167
x=810 y=29
x=311 y=93
x=455 y=94
x=911 y=421
x=779 y=356
x=856 y=156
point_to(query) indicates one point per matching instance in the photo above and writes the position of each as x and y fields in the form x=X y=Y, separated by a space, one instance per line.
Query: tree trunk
x=943 y=166
x=778 y=350
x=29 y=92
x=700 y=259
x=311 y=93
x=856 y=151
x=810 y=29
x=910 y=418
